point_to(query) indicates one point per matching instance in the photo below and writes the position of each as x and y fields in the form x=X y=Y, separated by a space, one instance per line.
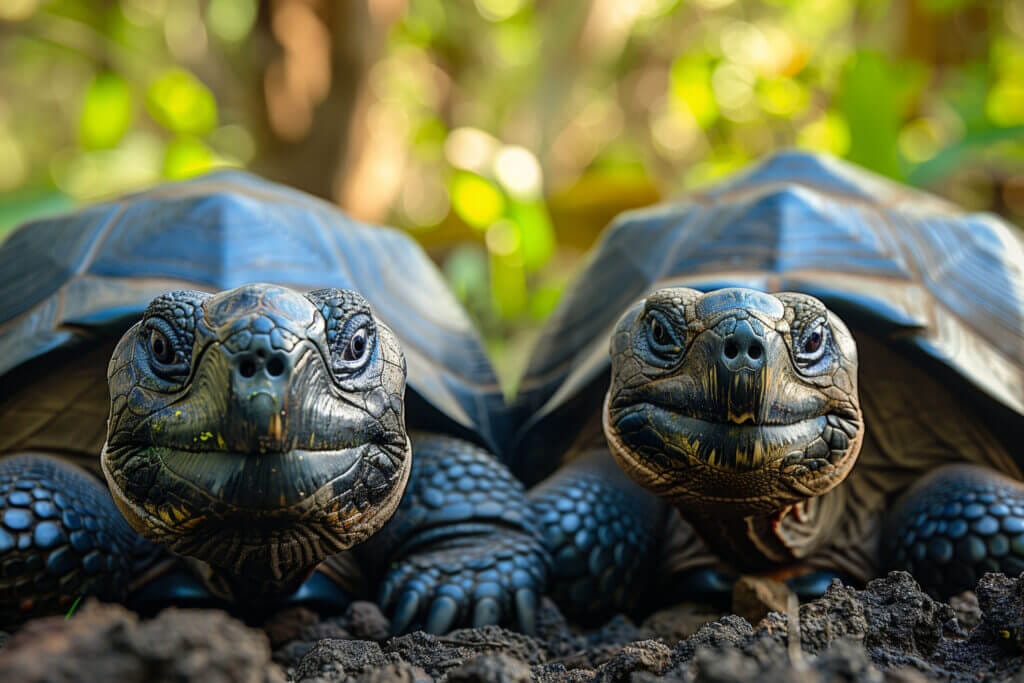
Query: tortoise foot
x=813 y=584
x=706 y=585
x=956 y=524
x=462 y=549
x=601 y=531
x=61 y=539
x=180 y=587
x=476 y=580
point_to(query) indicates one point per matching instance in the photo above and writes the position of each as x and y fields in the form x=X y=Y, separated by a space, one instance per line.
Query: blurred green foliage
x=504 y=134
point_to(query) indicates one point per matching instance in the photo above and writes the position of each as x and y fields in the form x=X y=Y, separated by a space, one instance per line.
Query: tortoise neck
x=757 y=542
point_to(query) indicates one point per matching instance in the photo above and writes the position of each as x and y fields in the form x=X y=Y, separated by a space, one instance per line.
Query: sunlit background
x=504 y=134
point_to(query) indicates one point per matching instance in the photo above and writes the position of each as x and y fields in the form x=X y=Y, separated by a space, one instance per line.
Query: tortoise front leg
x=61 y=538
x=602 y=531
x=462 y=548
x=616 y=546
x=954 y=525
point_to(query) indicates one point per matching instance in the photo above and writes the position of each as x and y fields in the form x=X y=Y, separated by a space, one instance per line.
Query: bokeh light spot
x=471 y=149
x=107 y=112
x=476 y=200
x=181 y=103
x=502 y=238
x=519 y=172
x=17 y=10
x=231 y=20
x=498 y=10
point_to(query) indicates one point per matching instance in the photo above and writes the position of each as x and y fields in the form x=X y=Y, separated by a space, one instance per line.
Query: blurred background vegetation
x=504 y=134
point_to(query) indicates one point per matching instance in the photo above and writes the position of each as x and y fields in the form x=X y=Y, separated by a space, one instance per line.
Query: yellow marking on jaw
x=205 y=436
x=274 y=429
x=1004 y=634
x=177 y=413
x=221 y=443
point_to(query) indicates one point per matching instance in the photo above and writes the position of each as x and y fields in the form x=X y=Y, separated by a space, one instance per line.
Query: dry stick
x=796 y=653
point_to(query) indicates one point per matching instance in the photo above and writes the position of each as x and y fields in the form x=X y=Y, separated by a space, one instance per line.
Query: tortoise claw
x=408 y=606
x=442 y=615
x=474 y=581
x=486 y=612
x=526 y=608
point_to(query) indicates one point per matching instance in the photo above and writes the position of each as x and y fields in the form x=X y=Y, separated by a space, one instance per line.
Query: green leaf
x=966 y=92
x=465 y=268
x=537 y=235
x=107 y=112
x=874 y=97
x=181 y=103
x=544 y=300
x=508 y=285
x=954 y=157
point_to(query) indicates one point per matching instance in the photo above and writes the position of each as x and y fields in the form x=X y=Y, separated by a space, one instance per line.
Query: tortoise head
x=259 y=430
x=733 y=402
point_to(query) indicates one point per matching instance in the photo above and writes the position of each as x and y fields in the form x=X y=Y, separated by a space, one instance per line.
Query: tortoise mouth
x=736 y=467
x=270 y=516
x=731 y=446
x=248 y=482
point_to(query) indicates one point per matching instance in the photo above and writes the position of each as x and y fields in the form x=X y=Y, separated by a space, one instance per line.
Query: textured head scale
x=734 y=401
x=258 y=429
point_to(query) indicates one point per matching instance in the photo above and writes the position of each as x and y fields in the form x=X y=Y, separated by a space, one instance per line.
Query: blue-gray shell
x=947 y=284
x=94 y=271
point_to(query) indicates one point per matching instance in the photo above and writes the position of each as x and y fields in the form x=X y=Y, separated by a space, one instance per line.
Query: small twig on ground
x=796 y=653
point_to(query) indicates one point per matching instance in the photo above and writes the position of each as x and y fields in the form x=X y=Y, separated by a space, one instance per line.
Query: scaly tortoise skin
x=774 y=437
x=258 y=416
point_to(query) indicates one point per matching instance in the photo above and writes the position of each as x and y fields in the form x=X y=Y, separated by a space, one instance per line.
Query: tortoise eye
x=160 y=347
x=662 y=338
x=813 y=342
x=357 y=346
x=658 y=333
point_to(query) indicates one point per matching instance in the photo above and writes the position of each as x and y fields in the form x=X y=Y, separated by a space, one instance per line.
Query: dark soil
x=890 y=631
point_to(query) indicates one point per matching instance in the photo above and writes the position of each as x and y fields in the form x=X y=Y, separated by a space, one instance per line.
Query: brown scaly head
x=259 y=430
x=735 y=402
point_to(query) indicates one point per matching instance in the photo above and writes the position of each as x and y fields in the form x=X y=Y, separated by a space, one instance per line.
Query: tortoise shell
x=945 y=286
x=89 y=274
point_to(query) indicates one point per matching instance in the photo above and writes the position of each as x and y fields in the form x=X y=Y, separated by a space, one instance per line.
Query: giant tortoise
x=789 y=440
x=256 y=433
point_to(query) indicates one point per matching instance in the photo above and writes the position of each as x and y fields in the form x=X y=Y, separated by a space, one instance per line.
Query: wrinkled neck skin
x=761 y=541
x=740 y=408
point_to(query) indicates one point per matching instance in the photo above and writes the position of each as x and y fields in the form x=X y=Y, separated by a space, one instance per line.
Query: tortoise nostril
x=260 y=353
x=275 y=367
x=731 y=350
x=755 y=351
x=247 y=368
